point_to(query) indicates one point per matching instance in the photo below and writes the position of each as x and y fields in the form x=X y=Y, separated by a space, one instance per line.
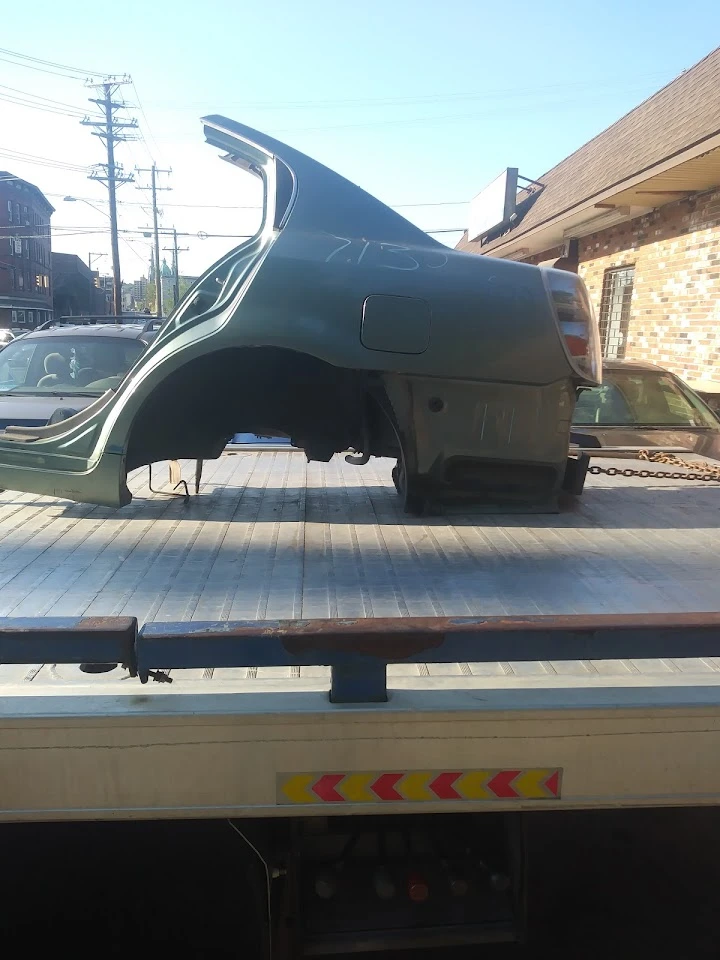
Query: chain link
x=711 y=474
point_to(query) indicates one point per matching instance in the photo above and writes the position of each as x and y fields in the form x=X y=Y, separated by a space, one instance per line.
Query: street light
x=82 y=200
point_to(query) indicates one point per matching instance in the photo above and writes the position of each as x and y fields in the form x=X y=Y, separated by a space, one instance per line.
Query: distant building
x=128 y=301
x=167 y=282
x=25 y=262
x=75 y=292
x=139 y=291
x=144 y=289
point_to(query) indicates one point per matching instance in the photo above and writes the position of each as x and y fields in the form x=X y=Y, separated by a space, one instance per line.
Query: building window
x=615 y=311
x=14 y=318
x=9 y=211
x=31 y=318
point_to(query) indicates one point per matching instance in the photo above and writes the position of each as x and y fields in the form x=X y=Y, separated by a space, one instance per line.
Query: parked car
x=343 y=326
x=132 y=317
x=642 y=405
x=5 y=337
x=709 y=391
x=63 y=369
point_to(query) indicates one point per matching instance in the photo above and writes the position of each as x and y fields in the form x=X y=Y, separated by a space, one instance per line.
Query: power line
x=147 y=122
x=415 y=99
x=29 y=66
x=95 y=231
x=49 y=63
x=257 y=206
x=41 y=161
x=36 y=96
x=22 y=99
x=17 y=102
x=129 y=244
x=553 y=105
x=194 y=206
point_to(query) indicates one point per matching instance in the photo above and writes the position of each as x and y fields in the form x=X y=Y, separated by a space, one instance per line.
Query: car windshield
x=67 y=364
x=641 y=398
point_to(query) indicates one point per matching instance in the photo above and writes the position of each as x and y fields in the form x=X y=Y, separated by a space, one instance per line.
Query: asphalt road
x=621 y=884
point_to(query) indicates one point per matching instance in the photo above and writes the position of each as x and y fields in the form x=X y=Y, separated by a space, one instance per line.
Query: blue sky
x=419 y=102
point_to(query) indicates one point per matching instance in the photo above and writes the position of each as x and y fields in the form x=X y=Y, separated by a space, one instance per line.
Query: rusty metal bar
x=93 y=640
x=358 y=651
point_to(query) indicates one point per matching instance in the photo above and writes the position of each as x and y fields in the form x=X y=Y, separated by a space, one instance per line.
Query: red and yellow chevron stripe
x=419 y=786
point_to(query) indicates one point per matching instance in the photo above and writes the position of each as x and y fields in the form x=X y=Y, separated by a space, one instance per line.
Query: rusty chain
x=712 y=471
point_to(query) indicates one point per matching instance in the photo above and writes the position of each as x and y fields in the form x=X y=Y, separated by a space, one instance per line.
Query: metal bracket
x=174 y=472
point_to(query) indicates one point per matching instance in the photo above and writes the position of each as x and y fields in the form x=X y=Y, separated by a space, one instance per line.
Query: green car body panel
x=340 y=325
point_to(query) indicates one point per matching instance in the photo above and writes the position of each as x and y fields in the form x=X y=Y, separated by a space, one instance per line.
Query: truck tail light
x=383 y=883
x=459 y=886
x=325 y=886
x=576 y=322
x=418 y=890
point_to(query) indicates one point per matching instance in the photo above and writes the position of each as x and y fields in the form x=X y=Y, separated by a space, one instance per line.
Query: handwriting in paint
x=388 y=256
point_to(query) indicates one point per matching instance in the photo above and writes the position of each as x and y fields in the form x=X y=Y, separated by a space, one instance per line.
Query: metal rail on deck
x=357 y=651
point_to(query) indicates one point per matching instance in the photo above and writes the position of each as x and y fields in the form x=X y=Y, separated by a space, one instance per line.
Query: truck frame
x=290 y=653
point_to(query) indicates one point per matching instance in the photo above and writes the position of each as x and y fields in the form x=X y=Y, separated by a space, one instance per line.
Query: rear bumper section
x=287 y=754
x=413 y=744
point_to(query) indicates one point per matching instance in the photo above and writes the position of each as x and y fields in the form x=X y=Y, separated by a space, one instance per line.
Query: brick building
x=636 y=212
x=25 y=262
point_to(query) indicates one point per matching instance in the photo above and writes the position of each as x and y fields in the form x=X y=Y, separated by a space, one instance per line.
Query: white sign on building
x=494 y=205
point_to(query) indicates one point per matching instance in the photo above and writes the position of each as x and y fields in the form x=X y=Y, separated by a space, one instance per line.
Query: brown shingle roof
x=683 y=113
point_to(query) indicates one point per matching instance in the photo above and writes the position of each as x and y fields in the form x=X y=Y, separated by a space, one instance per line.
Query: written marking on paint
x=386 y=256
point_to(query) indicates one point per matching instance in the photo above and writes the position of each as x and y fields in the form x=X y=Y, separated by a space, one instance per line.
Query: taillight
x=417 y=888
x=576 y=320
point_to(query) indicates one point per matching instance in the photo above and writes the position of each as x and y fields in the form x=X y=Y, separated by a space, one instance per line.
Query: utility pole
x=110 y=130
x=153 y=171
x=176 y=268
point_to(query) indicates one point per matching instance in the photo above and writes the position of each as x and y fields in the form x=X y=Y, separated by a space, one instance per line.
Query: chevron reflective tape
x=419 y=786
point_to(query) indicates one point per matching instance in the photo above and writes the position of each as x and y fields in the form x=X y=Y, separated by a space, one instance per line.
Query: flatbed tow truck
x=374 y=703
